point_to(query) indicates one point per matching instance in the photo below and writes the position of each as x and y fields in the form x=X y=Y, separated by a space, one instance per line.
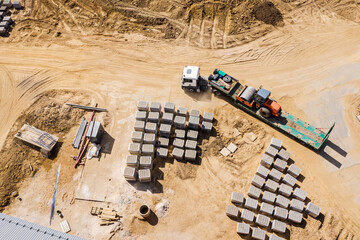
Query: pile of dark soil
x=268 y=13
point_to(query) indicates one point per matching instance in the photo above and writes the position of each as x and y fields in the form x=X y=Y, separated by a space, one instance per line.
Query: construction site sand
x=311 y=65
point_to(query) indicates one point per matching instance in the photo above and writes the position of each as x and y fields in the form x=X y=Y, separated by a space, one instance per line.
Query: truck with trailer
x=258 y=103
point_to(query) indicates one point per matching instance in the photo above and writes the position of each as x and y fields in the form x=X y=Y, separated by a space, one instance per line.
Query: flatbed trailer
x=287 y=123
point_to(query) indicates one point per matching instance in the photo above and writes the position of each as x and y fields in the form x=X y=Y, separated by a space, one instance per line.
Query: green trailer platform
x=294 y=127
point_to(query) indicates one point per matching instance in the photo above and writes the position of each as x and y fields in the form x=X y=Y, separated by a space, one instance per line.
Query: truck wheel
x=265 y=112
x=215 y=71
x=227 y=79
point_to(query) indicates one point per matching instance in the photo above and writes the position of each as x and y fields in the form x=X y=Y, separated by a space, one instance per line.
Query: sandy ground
x=312 y=66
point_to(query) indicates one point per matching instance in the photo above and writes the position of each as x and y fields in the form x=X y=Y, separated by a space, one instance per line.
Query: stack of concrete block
x=135 y=148
x=181 y=111
x=283 y=154
x=285 y=190
x=237 y=198
x=266 y=208
x=232 y=211
x=295 y=216
x=132 y=161
x=299 y=194
x=208 y=117
x=169 y=107
x=162 y=152
x=163 y=142
x=254 y=192
x=271 y=185
x=146 y=162
x=151 y=127
x=280 y=213
x=193 y=122
x=190 y=154
x=17 y=5
x=178 y=143
x=192 y=135
x=165 y=130
x=280 y=164
x=289 y=180
x=266 y=160
x=167 y=118
x=148 y=150
x=262 y=220
x=274 y=237
x=145 y=175
x=190 y=144
x=258 y=233
x=180 y=122
x=195 y=113
x=130 y=173
x=276 y=143
x=243 y=228
x=313 y=210
x=268 y=197
x=149 y=138
x=297 y=205
x=258 y=181
x=137 y=136
x=262 y=171
x=206 y=126
x=247 y=216
x=178 y=153
x=282 y=201
x=278 y=226
x=139 y=126
x=275 y=175
x=143 y=106
x=179 y=133
x=153 y=117
x=251 y=203
x=141 y=115
x=271 y=151
x=155 y=107
x=294 y=170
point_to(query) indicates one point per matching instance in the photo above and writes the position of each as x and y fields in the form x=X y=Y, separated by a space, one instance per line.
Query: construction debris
x=107 y=216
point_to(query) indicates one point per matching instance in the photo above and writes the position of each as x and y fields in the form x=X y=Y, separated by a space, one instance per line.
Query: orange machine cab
x=274 y=107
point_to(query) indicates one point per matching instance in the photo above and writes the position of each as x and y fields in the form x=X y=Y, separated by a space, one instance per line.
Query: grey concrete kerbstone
x=194 y=123
x=294 y=170
x=299 y=194
x=262 y=220
x=276 y=143
x=206 y=127
x=149 y=138
x=130 y=174
x=266 y=208
x=134 y=148
x=145 y=175
x=154 y=117
x=182 y=111
x=195 y=113
x=132 y=161
x=237 y=198
x=143 y=106
x=262 y=171
x=258 y=181
x=167 y=118
x=165 y=130
x=280 y=164
x=162 y=152
x=313 y=210
x=271 y=151
x=278 y=226
x=282 y=201
x=247 y=215
x=271 y=185
x=285 y=190
x=266 y=160
x=163 y=142
x=254 y=192
x=232 y=211
x=275 y=175
x=180 y=122
x=169 y=107
x=295 y=217
x=137 y=136
x=251 y=203
x=139 y=126
x=191 y=144
x=283 y=154
x=268 y=197
x=243 y=228
x=297 y=205
x=179 y=143
x=289 y=180
x=150 y=127
x=258 y=234
x=155 y=107
x=280 y=213
x=178 y=153
x=141 y=115
x=190 y=154
x=146 y=162
x=179 y=133
x=192 y=135
x=208 y=117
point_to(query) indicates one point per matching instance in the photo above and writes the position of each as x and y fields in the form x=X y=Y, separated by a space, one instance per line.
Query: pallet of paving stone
x=96 y=211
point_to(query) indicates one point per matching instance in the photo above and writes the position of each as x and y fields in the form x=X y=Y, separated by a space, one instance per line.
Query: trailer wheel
x=265 y=112
x=227 y=79
x=216 y=92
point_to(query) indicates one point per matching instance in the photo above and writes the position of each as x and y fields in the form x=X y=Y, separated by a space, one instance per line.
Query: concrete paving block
x=182 y=111
x=137 y=136
x=250 y=136
x=271 y=151
x=282 y=201
x=192 y=135
x=268 y=197
x=145 y=175
x=297 y=205
x=179 y=133
x=258 y=181
x=194 y=123
x=258 y=233
x=162 y=152
x=169 y=107
x=254 y=192
x=247 y=215
x=232 y=211
x=167 y=118
x=178 y=153
x=179 y=143
x=289 y=180
x=148 y=150
x=313 y=210
x=134 y=148
x=149 y=138
x=276 y=143
x=225 y=152
x=155 y=107
x=150 y=127
x=271 y=185
x=294 y=170
x=163 y=142
x=274 y=237
x=266 y=160
x=266 y=208
x=283 y=154
x=275 y=175
x=251 y=203
x=143 y=106
x=146 y=162
x=262 y=171
x=208 y=117
x=278 y=226
x=195 y=113
x=141 y=115
x=295 y=217
x=299 y=194
x=191 y=144
x=139 y=126
x=180 y=122
x=190 y=154
x=165 y=130
x=154 y=117
x=130 y=173
x=232 y=147
x=280 y=164
x=237 y=198
x=243 y=228
x=285 y=190
x=132 y=161
x=262 y=220
x=280 y=213
x=206 y=127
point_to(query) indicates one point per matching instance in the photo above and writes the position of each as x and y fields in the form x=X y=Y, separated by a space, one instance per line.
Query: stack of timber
x=108 y=216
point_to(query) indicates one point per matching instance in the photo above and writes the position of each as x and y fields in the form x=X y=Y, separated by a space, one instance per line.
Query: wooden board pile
x=108 y=216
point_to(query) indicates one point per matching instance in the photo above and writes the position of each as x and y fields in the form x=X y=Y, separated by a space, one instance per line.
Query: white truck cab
x=190 y=78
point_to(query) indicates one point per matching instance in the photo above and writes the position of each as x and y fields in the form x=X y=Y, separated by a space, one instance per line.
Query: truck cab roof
x=191 y=72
